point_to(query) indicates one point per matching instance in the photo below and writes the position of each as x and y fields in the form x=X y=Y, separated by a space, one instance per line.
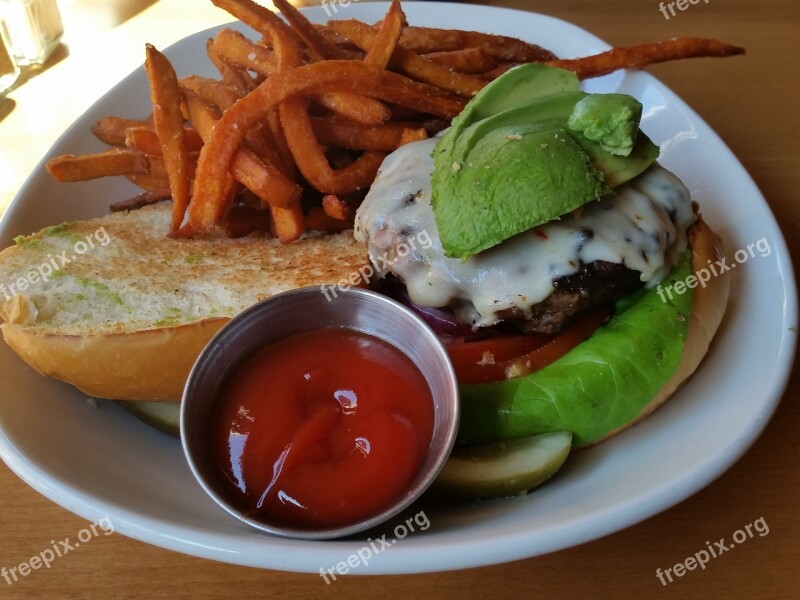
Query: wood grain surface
x=750 y=101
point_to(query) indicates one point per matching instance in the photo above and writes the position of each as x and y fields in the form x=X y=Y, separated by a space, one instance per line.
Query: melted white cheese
x=643 y=227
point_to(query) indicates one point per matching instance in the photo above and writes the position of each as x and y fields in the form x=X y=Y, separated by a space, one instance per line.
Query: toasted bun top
x=123 y=274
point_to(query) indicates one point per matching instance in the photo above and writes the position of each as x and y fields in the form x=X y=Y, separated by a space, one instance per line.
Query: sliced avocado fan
x=529 y=148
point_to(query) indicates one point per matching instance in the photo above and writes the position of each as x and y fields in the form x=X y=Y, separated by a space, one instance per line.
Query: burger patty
x=537 y=280
x=592 y=285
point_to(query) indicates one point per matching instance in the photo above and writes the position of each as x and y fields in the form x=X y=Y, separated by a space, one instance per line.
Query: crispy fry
x=216 y=93
x=233 y=76
x=636 y=57
x=312 y=162
x=112 y=130
x=265 y=22
x=321 y=48
x=142 y=200
x=168 y=122
x=308 y=79
x=425 y=40
x=317 y=220
x=157 y=168
x=413 y=135
x=380 y=54
x=346 y=134
x=350 y=51
x=468 y=60
x=68 y=168
x=273 y=124
x=360 y=109
x=418 y=67
x=499 y=70
x=143 y=139
x=263 y=179
x=341 y=208
x=288 y=224
x=235 y=49
x=149 y=183
x=222 y=97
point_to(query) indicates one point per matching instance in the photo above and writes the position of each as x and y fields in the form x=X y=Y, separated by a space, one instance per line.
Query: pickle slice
x=165 y=416
x=503 y=468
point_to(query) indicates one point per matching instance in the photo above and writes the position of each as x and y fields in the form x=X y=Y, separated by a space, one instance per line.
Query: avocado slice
x=471 y=160
x=620 y=169
x=611 y=120
x=529 y=151
x=519 y=85
x=597 y=387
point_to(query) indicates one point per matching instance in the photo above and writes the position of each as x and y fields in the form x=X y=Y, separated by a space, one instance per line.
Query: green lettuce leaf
x=600 y=385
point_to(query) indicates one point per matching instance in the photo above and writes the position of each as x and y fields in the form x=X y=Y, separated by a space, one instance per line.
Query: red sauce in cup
x=323 y=429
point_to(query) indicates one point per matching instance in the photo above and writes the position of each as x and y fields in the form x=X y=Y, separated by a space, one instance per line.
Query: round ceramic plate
x=97 y=460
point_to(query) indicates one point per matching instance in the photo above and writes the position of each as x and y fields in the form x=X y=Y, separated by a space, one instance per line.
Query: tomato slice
x=503 y=357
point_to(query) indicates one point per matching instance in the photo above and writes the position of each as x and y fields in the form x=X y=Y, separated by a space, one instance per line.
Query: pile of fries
x=292 y=135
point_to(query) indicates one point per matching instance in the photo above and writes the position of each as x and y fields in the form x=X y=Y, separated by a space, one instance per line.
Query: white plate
x=102 y=462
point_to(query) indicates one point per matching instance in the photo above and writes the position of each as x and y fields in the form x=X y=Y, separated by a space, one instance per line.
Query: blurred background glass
x=9 y=71
x=33 y=29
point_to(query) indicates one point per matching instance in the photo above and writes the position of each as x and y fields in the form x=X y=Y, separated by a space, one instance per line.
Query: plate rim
x=510 y=546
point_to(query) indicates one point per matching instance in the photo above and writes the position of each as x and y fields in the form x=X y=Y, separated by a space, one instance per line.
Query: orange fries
x=309 y=112
x=168 y=123
x=418 y=67
x=385 y=43
x=468 y=60
x=263 y=179
x=93 y=166
x=143 y=199
x=423 y=40
x=340 y=133
x=113 y=130
x=636 y=57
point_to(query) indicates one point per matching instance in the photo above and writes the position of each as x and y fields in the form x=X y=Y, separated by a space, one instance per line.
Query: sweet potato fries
x=292 y=134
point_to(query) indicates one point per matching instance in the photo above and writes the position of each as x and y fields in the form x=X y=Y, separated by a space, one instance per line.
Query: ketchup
x=323 y=428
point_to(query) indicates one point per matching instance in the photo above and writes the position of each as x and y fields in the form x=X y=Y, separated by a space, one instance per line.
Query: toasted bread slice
x=120 y=310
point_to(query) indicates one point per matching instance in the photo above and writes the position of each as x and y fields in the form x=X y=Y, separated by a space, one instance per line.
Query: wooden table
x=751 y=102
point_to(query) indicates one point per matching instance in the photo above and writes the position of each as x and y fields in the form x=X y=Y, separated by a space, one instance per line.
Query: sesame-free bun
x=127 y=318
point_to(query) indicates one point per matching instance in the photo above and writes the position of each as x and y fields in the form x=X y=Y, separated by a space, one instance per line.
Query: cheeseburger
x=549 y=224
